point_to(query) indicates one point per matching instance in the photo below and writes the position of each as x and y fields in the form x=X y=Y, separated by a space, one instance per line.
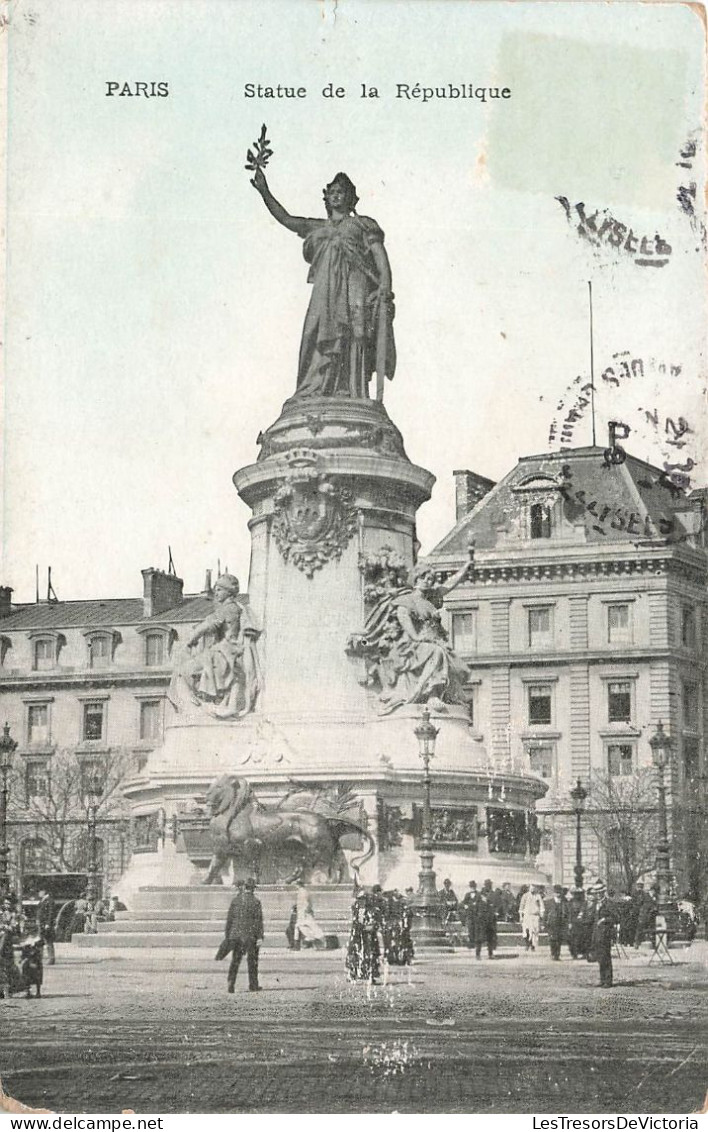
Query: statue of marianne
x=348 y=332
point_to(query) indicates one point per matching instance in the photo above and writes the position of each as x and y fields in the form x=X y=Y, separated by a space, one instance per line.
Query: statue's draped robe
x=417 y=661
x=347 y=335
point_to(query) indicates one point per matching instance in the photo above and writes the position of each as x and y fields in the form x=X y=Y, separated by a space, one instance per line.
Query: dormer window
x=46 y=647
x=100 y=647
x=154 y=649
x=44 y=650
x=540 y=515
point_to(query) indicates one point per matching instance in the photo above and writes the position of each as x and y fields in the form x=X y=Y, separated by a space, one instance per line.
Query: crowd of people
x=380 y=933
x=28 y=933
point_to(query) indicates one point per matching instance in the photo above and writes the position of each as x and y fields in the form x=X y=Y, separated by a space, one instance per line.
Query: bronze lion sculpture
x=304 y=827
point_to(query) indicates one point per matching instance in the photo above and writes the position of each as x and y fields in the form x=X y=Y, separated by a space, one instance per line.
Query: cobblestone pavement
x=156 y=1032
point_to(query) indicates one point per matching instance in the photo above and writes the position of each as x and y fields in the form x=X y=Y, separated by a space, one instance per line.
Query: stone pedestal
x=332 y=486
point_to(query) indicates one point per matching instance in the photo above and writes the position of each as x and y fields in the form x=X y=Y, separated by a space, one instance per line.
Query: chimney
x=161 y=591
x=5 y=601
x=469 y=489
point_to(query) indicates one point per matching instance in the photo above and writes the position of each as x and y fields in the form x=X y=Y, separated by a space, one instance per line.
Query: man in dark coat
x=244 y=933
x=468 y=910
x=576 y=923
x=556 y=920
x=603 y=934
x=485 y=924
x=45 y=924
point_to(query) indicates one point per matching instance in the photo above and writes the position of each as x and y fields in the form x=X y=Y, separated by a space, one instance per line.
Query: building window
x=618 y=624
x=620 y=759
x=35 y=856
x=619 y=701
x=688 y=627
x=94 y=714
x=541 y=759
x=99 y=650
x=540 y=704
x=464 y=632
x=690 y=706
x=38 y=724
x=540 y=626
x=540 y=521
x=36 y=779
x=44 y=652
x=92 y=778
x=154 y=649
x=150 y=720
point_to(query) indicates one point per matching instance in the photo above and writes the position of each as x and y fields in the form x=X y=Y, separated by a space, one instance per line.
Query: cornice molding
x=578 y=570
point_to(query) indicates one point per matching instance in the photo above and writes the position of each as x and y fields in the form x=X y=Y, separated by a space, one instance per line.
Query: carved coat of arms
x=314 y=519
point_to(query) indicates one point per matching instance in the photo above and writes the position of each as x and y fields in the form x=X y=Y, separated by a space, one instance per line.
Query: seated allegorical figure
x=224 y=677
x=406 y=647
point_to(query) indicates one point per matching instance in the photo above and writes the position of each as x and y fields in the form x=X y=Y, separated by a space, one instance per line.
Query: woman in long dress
x=307 y=930
x=531 y=911
x=348 y=333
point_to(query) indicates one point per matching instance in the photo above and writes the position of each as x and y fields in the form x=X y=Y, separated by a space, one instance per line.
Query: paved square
x=157 y=1032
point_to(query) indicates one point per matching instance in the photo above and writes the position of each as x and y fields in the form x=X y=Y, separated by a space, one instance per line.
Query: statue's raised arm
x=348 y=331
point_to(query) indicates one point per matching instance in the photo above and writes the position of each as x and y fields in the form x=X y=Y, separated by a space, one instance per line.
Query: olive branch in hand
x=257 y=158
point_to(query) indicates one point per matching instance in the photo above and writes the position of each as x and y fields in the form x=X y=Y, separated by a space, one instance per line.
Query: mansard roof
x=589 y=488
x=105 y=612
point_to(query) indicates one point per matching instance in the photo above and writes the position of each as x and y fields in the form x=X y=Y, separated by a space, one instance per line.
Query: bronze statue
x=348 y=332
x=304 y=830
x=224 y=678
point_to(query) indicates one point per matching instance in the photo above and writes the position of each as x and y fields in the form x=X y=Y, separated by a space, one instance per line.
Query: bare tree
x=622 y=813
x=56 y=803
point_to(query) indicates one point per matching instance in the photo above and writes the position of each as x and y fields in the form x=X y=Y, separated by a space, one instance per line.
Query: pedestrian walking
x=556 y=920
x=363 y=960
x=531 y=912
x=603 y=935
x=45 y=924
x=485 y=924
x=449 y=901
x=468 y=909
x=244 y=934
x=576 y=925
x=308 y=932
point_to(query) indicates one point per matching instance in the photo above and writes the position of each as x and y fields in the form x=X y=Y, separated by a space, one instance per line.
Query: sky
x=155 y=309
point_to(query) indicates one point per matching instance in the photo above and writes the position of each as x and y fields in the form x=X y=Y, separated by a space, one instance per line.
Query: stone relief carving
x=314 y=519
x=219 y=671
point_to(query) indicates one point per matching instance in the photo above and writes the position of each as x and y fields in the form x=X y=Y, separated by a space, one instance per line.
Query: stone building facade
x=83 y=687
x=584 y=626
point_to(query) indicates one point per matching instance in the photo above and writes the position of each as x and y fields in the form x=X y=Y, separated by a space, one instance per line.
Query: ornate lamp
x=8 y=746
x=661 y=747
x=578 y=797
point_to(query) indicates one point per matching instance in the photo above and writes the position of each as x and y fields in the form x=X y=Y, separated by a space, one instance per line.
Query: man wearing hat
x=556 y=919
x=469 y=908
x=244 y=934
x=603 y=933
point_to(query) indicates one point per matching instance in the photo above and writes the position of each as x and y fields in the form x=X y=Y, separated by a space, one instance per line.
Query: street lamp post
x=428 y=927
x=578 y=795
x=93 y=793
x=661 y=746
x=8 y=746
